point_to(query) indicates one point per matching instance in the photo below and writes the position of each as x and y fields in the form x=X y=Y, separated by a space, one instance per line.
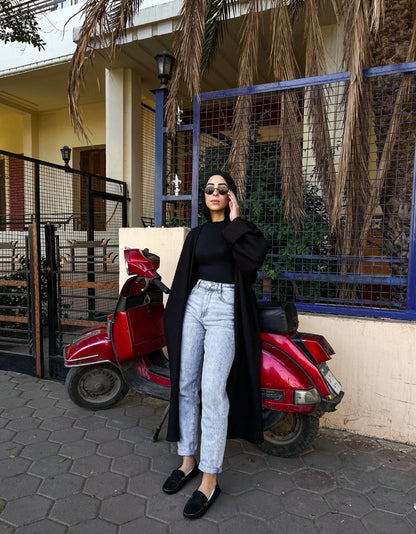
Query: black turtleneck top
x=213 y=255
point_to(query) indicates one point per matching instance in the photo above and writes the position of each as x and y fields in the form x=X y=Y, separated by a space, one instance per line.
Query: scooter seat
x=277 y=318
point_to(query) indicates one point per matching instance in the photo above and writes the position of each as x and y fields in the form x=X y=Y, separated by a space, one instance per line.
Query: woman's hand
x=233 y=205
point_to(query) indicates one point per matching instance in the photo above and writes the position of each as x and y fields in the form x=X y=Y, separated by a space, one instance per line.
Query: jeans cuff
x=184 y=452
x=209 y=470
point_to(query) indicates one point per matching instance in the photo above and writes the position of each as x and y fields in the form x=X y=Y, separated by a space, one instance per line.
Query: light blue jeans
x=207 y=354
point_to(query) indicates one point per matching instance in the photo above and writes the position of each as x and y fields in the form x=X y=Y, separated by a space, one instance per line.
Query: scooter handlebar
x=158 y=283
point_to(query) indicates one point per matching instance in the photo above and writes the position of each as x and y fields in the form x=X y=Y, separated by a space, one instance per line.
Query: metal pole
x=90 y=252
x=160 y=156
x=52 y=285
x=411 y=266
x=35 y=290
x=195 y=162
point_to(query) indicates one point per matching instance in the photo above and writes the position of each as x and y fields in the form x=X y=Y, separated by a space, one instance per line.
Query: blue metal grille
x=364 y=265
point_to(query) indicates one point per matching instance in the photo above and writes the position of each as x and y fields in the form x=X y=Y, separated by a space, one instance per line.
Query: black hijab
x=231 y=185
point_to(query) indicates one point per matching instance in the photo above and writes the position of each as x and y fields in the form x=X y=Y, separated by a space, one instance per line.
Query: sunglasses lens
x=210 y=190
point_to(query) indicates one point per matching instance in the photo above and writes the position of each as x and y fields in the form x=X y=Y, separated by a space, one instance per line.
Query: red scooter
x=296 y=384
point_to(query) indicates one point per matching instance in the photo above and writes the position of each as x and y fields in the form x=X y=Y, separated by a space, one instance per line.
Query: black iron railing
x=42 y=6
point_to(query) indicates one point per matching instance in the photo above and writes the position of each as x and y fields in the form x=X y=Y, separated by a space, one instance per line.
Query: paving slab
x=69 y=470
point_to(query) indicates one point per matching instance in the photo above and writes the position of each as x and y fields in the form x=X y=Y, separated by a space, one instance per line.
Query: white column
x=30 y=140
x=123 y=140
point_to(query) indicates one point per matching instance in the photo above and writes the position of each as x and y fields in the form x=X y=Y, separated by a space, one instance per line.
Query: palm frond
x=315 y=49
x=356 y=53
x=242 y=113
x=316 y=105
x=218 y=13
x=285 y=68
x=237 y=160
x=282 y=53
x=105 y=23
x=377 y=14
x=187 y=49
x=352 y=179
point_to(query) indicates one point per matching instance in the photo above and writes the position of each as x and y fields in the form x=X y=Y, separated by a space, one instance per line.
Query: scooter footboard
x=138 y=382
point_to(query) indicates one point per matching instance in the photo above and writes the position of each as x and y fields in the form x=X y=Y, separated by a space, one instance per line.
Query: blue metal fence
x=365 y=264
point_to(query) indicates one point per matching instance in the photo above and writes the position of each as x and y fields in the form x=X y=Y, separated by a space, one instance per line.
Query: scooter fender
x=284 y=369
x=281 y=345
x=92 y=347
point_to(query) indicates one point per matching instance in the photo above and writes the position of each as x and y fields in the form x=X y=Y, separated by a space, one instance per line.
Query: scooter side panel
x=146 y=324
x=122 y=337
x=280 y=374
x=91 y=347
x=280 y=371
x=281 y=344
x=138 y=330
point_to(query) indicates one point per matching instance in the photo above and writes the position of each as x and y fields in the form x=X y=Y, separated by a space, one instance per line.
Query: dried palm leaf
x=352 y=178
x=187 y=49
x=377 y=14
x=356 y=53
x=285 y=68
x=316 y=106
x=218 y=13
x=238 y=157
x=105 y=23
x=362 y=17
x=282 y=53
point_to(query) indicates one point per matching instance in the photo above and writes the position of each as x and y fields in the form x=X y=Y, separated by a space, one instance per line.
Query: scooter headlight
x=306 y=396
x=126 y=264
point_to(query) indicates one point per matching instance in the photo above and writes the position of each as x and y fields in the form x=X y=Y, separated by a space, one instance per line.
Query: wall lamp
x=66 y=155
x=164 y=67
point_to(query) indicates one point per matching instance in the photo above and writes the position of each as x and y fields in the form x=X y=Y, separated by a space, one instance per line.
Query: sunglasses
x=221 y=190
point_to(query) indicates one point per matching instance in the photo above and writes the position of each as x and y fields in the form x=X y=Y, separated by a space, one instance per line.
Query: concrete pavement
x=64 y=469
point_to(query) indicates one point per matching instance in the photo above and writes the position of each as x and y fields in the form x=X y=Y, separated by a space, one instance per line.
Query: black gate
x=58 y=259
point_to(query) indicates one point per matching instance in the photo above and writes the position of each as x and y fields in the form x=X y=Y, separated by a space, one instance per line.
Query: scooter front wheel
x=96 y=387
x=288 y=434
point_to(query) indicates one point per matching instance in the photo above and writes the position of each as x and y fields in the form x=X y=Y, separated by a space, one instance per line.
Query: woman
x=213 y=340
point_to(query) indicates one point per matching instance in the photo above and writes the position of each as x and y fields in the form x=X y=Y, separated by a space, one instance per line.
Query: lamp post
x=66 y=155
x=164 y=63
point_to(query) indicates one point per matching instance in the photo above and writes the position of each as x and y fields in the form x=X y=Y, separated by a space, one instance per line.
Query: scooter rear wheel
x=290 y=434
x=96 y=387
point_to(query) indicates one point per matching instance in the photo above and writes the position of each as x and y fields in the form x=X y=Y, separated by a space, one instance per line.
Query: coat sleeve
x=248 y=245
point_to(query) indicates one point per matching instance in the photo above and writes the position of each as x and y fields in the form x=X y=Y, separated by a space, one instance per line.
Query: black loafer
x=198 y=504
x=178 y=479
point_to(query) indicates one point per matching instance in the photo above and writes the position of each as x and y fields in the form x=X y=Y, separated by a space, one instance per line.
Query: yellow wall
x=375 y=362
x=55 y=131
x=11 y=131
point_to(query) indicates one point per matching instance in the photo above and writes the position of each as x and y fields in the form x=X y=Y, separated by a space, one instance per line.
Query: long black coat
x=249 y=249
